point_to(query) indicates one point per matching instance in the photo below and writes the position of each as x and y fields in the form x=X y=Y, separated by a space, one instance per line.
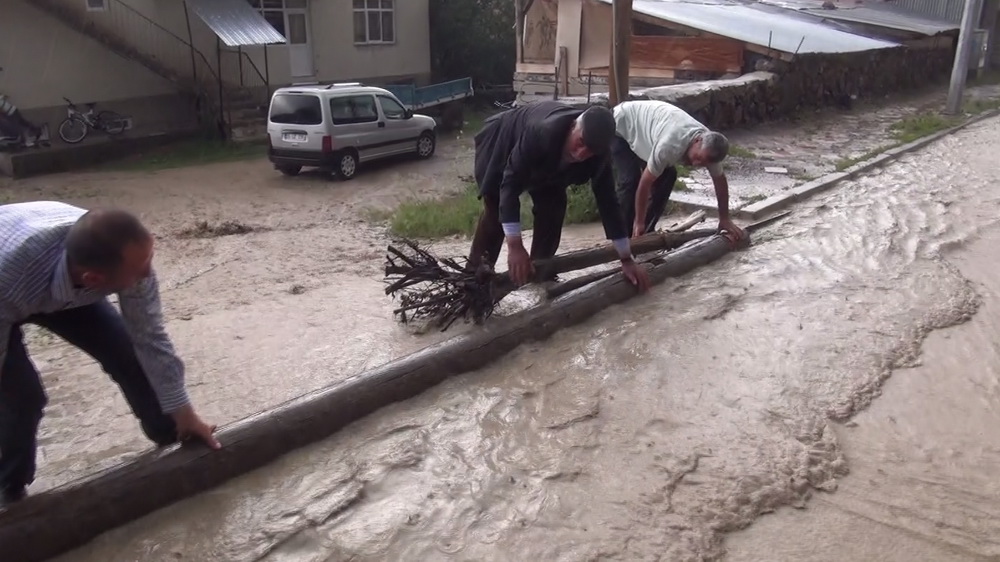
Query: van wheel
x=347 y=165
x=290 y=170
x=426 y=145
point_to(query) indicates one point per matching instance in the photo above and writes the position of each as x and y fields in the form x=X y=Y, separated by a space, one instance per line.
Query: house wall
x=337 y=59
x=809 y=82
x=43 y=61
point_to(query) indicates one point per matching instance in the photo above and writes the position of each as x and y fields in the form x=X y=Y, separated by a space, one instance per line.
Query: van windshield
x=296 y=109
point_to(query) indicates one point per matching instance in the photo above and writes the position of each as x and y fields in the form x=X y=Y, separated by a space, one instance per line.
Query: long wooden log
x=58 y=520
x=584 y=280
x=590 y=257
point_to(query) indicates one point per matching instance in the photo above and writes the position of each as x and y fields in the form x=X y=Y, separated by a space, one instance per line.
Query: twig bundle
x=439 y=288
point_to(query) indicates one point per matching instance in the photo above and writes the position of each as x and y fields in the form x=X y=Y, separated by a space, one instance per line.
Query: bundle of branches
x=432 y=287
x=446 y=290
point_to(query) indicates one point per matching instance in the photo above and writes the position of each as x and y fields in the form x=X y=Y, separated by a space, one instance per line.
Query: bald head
x=108 y=248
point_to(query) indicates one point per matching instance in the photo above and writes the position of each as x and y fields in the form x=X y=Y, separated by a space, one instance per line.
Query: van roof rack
x=343 y=85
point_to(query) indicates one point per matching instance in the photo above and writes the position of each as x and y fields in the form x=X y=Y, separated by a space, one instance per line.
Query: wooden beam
x=64 y=518
x=706 y=54
x=634 y=72
x=694 y=32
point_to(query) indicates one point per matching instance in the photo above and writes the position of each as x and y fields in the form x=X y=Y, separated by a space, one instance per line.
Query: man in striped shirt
x=58 y=265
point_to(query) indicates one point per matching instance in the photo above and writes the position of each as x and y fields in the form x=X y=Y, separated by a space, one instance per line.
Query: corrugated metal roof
x=236 y=23
x=880 y=15
x=775 y=28
x=950 y=10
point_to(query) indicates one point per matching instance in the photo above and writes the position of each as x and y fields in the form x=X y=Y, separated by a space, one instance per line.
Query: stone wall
x=808 y=82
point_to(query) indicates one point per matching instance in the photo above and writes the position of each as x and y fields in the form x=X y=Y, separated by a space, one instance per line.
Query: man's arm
x=642 y=196
x=164 y=369
x=603 y=185
x=143 y=317
x=515 y=176
x=721 y=184
x=664 y=155
x=721 y=189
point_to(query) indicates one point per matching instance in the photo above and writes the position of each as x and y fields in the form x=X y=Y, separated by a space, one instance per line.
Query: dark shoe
x=12 y=496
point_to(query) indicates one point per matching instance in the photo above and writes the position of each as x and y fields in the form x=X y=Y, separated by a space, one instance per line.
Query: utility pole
x=621 y=42
x=960 y=69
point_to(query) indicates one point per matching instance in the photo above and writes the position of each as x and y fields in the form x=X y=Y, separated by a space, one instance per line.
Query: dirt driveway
x=259 y=317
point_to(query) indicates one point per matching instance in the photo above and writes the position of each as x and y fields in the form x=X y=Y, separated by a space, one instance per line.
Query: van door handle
x=381 y=124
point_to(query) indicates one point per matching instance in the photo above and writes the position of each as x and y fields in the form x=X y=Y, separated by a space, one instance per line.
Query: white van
x=335 y=127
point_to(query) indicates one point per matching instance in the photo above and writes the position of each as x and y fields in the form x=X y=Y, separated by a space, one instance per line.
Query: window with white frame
x=374 y=21
x=96 y=5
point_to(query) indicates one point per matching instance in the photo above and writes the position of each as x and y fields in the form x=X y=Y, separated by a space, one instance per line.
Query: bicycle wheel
x=72 y=130
x=112 y=123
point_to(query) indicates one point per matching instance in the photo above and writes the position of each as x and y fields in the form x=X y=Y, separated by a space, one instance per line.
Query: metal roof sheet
x=880 y=15
x=236 y=23
x=776 y=28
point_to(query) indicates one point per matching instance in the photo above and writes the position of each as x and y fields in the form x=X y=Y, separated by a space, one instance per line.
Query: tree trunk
x=582 y=259
x=67 y=517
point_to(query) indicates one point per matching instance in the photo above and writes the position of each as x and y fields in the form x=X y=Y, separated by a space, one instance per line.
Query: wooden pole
x=69 y=516
x=618 y=73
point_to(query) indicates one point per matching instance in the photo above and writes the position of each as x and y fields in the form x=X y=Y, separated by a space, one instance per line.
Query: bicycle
x=78 y=124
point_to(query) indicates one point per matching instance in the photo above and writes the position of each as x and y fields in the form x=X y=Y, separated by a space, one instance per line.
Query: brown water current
x=651 y=431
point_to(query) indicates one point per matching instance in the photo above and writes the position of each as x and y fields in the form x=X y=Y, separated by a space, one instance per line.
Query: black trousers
x=628 y=169
x=99 y=331
x=549 y=211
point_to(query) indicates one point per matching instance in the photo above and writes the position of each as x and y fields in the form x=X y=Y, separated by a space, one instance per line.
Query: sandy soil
x=672 y=420
x=647 y=434
x=258 y=317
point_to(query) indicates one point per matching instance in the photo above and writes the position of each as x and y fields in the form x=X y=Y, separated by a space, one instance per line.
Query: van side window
x=349 y=110
x=391 y=108
x=296 y=109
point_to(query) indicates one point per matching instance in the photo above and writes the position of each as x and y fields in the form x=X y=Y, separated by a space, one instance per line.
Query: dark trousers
x=629 y=168
x=548 y=207
x=99 y=331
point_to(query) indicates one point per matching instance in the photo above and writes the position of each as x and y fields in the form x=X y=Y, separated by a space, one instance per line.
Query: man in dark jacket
x=543 y=148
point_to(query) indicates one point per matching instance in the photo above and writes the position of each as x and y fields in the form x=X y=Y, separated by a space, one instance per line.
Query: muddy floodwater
x=663 y=425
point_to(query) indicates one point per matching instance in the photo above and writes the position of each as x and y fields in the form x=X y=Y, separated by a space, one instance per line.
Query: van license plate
x=293 y=137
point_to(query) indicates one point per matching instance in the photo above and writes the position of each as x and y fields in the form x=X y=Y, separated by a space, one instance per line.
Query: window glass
x=360 y=28
x=391 y=108
x=347 y=110
x=296 y=109
x=374 y=27
x=277 y=20
x=387 y=30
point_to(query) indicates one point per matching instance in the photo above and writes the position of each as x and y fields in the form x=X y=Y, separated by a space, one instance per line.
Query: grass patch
x=977 y=106
x=683 y=171
x=755 y=199
x=203 y=229
x=456 y=215
x=918 y=126
x=188 y=153
x=681 y=185
x=741 y=152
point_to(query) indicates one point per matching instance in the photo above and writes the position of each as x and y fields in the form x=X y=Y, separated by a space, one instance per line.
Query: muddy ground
x=718 y=426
